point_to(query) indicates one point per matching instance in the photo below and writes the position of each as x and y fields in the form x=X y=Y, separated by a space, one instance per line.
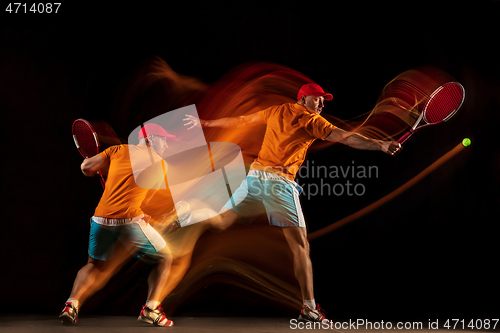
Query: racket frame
x=422 y=116
x=96 y=140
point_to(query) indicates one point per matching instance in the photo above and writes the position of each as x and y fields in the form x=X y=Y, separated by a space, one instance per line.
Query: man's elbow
x=87 y=169
x=242 y=121
x=338 y=135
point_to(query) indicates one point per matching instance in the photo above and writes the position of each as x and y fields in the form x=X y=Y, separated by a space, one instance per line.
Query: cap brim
x=328 y=97
x=169 y=136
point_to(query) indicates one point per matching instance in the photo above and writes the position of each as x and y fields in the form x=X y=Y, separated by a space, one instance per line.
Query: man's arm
x=357 y=141
x=227 y=122
x=90 y=166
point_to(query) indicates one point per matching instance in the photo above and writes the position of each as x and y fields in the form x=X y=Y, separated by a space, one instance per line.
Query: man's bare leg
x=159 y=275
x=183 y=244
x=88 y=280
x=302 y=265
x=212 y=221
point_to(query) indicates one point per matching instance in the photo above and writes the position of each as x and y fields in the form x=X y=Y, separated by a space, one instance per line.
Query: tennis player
x=270 y=183
x=119 y=216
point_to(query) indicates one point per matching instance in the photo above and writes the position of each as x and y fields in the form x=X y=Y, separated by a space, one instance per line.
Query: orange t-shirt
x=122 y=197
x=291 y=129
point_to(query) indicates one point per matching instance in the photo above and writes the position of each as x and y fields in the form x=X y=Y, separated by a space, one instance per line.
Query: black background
x=432 y=252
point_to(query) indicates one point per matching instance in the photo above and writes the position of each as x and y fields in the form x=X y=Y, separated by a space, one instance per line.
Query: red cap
x=154 y=129
x=312 y=89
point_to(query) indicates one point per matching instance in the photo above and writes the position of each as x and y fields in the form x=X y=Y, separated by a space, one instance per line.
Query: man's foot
x=314 y=315
x=69 y=314
x=156 y=317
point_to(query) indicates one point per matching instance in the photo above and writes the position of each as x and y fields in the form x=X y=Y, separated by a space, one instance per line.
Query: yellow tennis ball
x=466 y=142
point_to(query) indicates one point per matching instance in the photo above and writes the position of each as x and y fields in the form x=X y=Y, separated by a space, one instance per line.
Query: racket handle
x=405 y=137
x=101 y=178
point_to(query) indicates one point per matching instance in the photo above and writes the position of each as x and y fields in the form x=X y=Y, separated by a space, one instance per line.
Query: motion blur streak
x=401 y=102
x=382 y=201
x=245 y=257
x=246 y=90
x=254 y=257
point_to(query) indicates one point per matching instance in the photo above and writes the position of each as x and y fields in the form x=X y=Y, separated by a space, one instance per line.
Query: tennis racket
x=441 y=106
x=86 y=141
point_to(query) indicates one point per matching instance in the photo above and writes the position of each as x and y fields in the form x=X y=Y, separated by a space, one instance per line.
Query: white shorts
x=271 y=193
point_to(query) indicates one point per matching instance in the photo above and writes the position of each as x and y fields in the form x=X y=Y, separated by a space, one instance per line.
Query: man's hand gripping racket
x=86 y=141
x=441 y=106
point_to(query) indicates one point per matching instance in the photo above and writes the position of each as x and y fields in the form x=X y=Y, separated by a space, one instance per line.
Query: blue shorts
x=138 y=237
x=271 y=193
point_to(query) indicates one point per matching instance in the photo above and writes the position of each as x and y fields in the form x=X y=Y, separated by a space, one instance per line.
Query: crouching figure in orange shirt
x=133 y=171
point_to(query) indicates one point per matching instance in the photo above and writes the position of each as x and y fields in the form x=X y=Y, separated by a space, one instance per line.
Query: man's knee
x=166 y=254
x=223 y=220
x=297 y=239
x=159 y=257
x=96 y=263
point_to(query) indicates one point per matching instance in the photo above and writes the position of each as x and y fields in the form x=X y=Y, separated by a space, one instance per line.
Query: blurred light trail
x=382 y=201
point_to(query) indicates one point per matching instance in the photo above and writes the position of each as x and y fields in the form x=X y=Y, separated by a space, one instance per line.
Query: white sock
x=311 y=304
x=74 y=302
x=152 y=304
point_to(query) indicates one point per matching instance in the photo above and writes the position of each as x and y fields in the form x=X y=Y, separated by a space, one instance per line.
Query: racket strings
x=86 y=140
x=444 y=103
